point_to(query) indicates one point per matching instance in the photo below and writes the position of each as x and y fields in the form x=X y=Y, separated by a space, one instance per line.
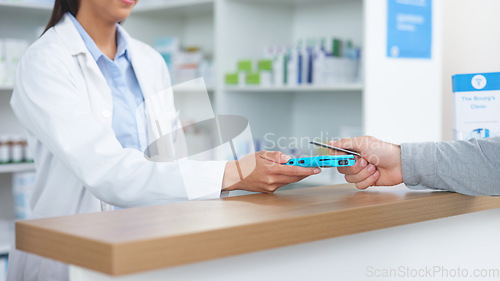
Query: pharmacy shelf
x=287 y=2
x=333 y=88
x=6 y=89
x=178 y=89
x=16 y=5
x=6 y=235
x=174 y=6
x=14 y=168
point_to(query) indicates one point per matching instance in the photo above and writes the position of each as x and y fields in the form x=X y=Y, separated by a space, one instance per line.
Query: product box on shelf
x=3 y=64
x=11 y=51
x=477 y=105
x=14 y=150
x=312 y=62
x=3 y=267
x=14 y=49
x=22 y=188
x=185 y=64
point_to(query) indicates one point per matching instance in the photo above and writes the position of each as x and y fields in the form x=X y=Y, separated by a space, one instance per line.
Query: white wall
x=402 y=101
x=471 y=43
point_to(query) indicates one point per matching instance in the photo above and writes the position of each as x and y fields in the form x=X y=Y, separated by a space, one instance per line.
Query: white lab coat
x=62 y=100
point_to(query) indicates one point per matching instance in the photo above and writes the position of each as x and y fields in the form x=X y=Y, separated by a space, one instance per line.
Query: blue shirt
x=125 y=90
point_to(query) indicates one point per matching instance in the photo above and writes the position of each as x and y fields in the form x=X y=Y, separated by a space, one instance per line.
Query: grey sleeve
x=469 y=167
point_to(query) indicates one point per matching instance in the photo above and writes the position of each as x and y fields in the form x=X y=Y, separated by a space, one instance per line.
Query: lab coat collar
x=76 y=46
x=67 y=26
x=73 y=41
x=70 y=36
x=138 y=60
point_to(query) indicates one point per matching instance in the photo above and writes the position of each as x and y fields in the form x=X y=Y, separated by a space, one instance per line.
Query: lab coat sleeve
x=469 y=167
x=50 y=102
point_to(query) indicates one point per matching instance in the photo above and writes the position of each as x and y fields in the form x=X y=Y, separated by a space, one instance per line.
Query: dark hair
x=61 y=7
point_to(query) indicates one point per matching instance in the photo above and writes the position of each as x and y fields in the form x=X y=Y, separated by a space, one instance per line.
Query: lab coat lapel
x=146 y=82
x=98 y=90
x=161 y=115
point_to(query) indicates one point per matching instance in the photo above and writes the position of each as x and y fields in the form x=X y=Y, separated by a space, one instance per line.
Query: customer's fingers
x=370 y=181
x=353 y=144
x=360 y=164
x=362 y=175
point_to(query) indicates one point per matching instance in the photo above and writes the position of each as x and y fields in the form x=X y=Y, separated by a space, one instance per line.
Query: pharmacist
x=77 y=90
x=469 y=167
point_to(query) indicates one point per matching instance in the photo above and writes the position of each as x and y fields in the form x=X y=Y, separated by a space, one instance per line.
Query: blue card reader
x=323 y=161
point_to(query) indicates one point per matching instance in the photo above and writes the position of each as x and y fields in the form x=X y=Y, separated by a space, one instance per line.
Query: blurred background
x=296 y=69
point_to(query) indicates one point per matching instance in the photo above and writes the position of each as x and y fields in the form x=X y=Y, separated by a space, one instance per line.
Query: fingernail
x=376 y=174
x=363 y=163
x=317 y=171
x=371 y=168
x=285 y=158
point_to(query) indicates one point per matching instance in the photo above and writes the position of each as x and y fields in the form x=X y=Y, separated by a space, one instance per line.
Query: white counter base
x=467 y=242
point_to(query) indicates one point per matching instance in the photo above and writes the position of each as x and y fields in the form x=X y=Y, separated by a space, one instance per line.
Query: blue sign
x=476 y=82
x=409 y=29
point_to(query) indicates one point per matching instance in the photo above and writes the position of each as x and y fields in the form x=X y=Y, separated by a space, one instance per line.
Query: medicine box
x=477 y=105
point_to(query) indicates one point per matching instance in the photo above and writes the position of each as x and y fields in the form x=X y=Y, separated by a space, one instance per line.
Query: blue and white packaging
x=23 y=184
x=3 y=267
x=477 y=105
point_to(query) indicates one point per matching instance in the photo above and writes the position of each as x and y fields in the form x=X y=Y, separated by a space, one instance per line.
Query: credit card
x=335 y=148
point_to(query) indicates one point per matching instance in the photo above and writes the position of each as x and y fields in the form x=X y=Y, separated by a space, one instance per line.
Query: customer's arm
x=469 y=167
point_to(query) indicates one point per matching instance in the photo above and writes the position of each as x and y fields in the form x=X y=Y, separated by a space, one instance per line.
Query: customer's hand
x=379 y=165
x=263 y=172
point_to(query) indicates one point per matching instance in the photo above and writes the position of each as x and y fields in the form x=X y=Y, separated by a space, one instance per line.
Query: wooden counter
x=142 y=239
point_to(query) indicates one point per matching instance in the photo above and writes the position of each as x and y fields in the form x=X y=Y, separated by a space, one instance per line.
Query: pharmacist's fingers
x=274 y=156
x=362 y=175
x=360 y=164
x=295 y=171
x=289 y=179
x=370 y=181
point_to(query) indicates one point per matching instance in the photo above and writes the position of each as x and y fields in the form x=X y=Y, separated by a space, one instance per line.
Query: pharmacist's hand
x=263 y=172
x=380 y=164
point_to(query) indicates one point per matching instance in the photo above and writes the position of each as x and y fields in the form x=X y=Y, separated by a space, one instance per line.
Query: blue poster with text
x=409 y=29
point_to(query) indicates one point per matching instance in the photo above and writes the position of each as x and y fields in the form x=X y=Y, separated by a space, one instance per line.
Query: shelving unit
x=193 y=89
x=299 y=89
x=173 y=6
x=24 y=6
x=18 y=20
x=15 y=168
x=6 y=89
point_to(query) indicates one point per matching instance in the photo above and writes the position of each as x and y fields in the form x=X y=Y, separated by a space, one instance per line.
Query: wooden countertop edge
x=89 y=253
x=145 y=255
